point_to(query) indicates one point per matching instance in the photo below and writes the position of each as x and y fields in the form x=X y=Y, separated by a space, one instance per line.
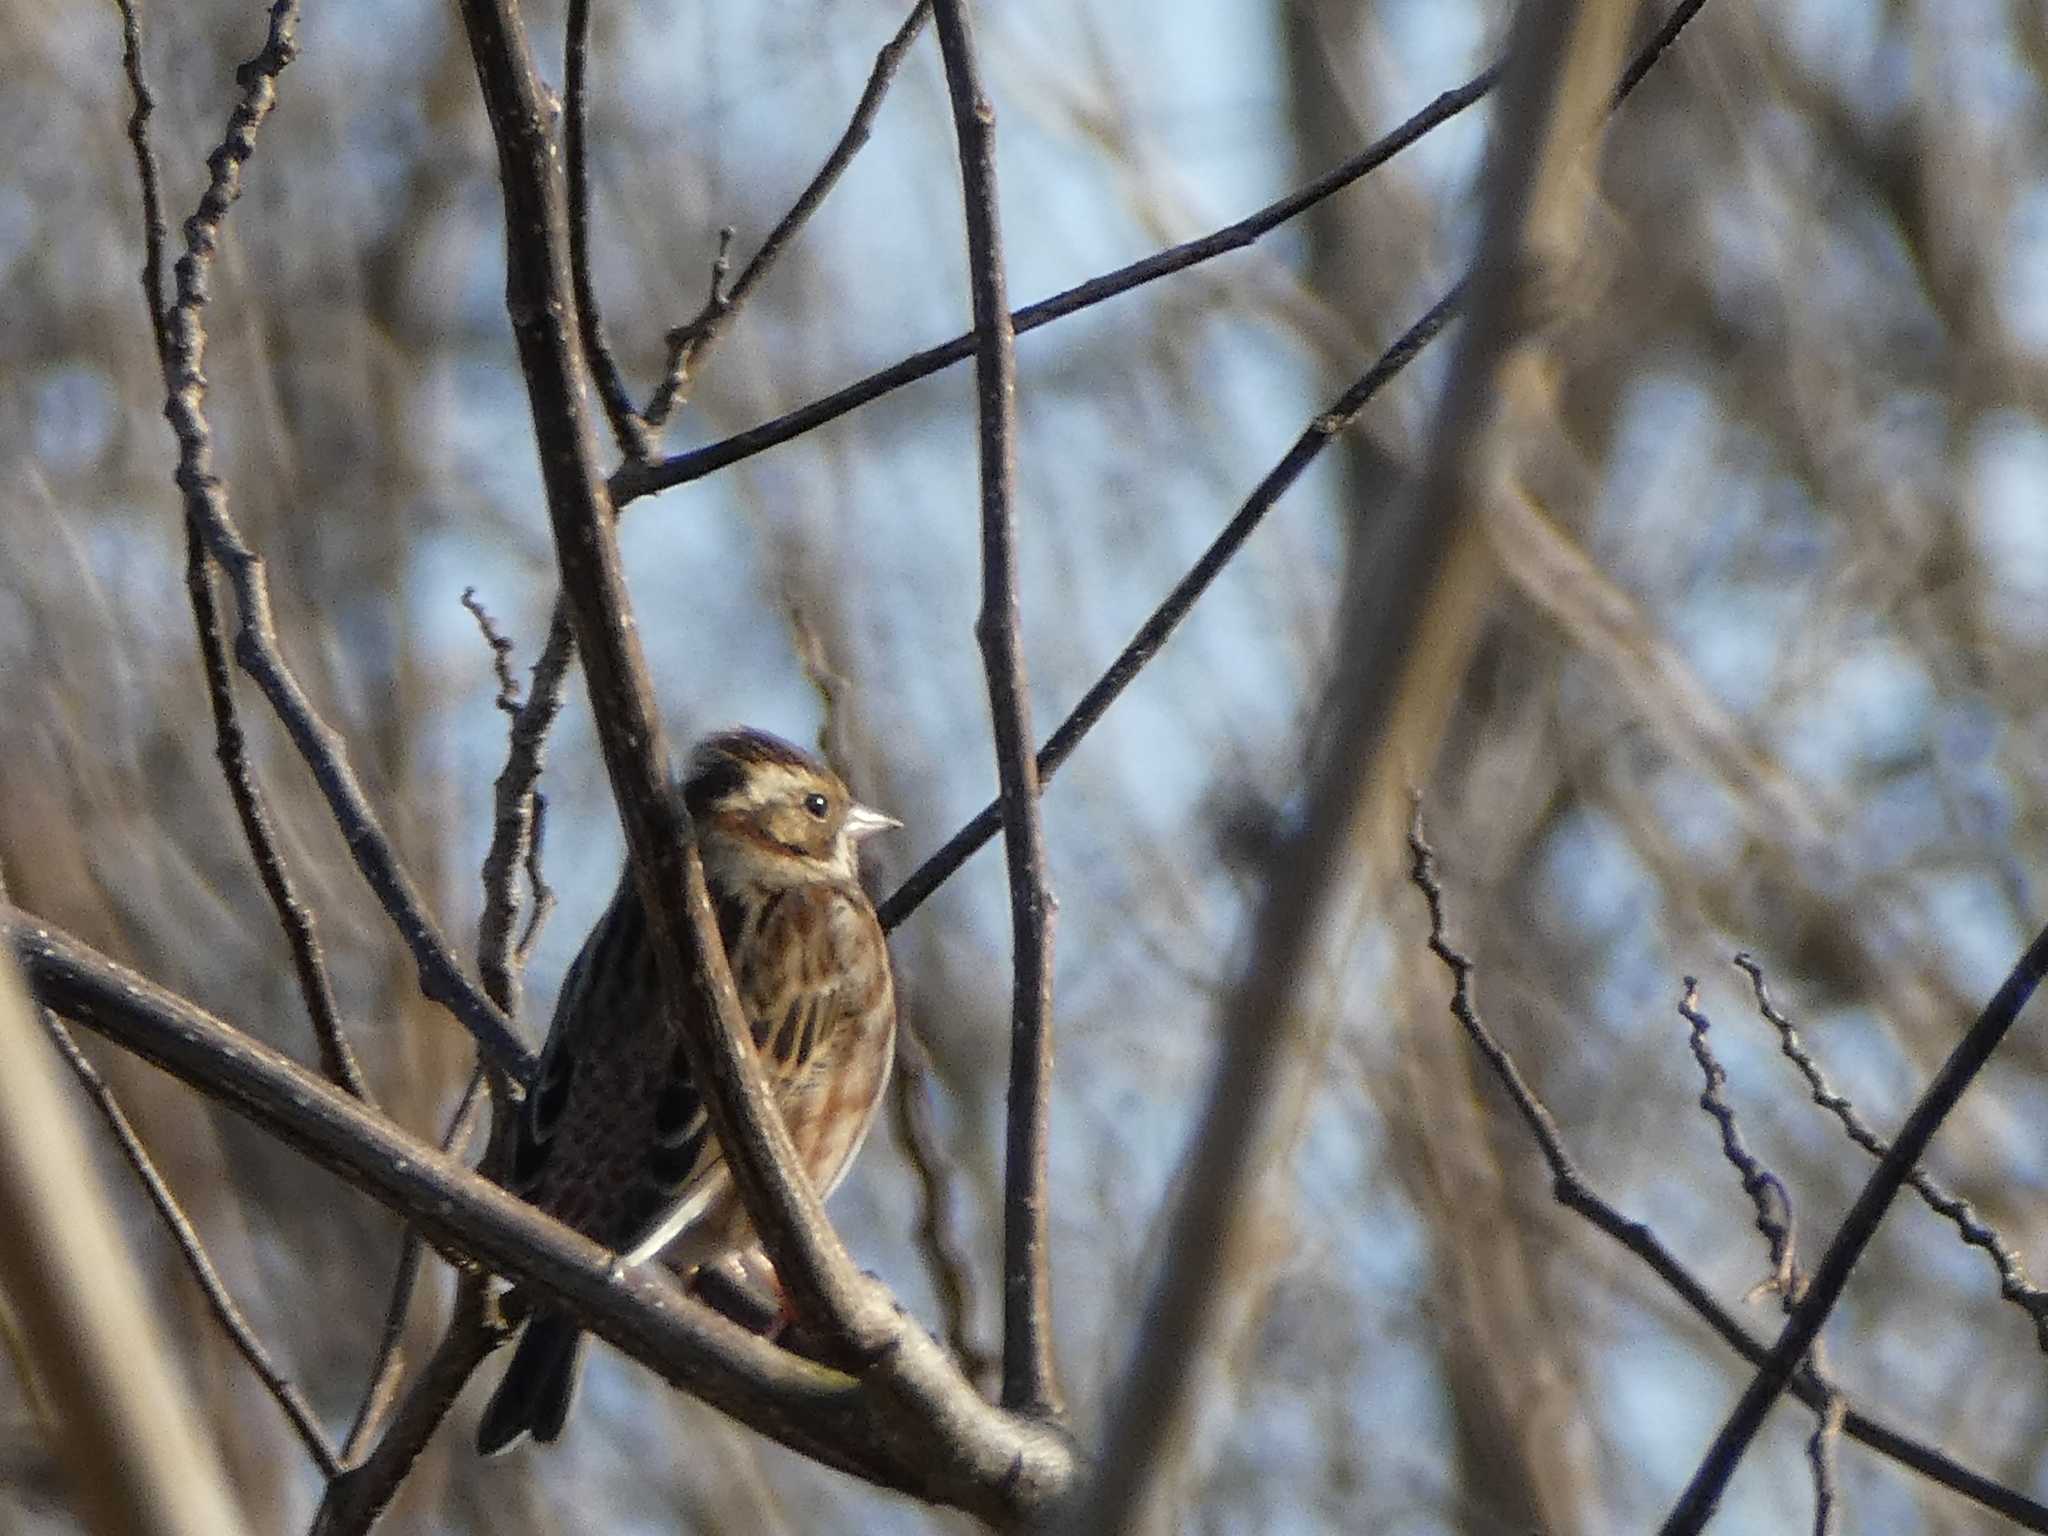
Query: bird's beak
x=864 y=821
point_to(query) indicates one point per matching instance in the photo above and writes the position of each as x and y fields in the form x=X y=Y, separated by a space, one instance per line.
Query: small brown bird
x=614 y=1140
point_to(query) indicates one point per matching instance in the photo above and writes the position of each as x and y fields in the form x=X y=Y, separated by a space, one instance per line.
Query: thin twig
x=1029 y=1384
x=389 y=1364
x=951 y=1271
x=515 y=833
x=2013 y=1283
x=1696 y=1504
x=1766 y=1191
x=635 y=481
x=297 y=1411
x=1820 y=1456
x=358 y=1495
x=688 y=344
x=354 y=1501
x=634 y=440
x=543 y=893
x=256 y=645
x=1570 y=1189
x=515 y=822
x=1166 y=618
x=202 y=586
x=154 y=228
x=203 y=592
x=501 y=652
x=1773 y=1204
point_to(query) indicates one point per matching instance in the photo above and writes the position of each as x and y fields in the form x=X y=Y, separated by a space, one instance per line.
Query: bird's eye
x=817 y=804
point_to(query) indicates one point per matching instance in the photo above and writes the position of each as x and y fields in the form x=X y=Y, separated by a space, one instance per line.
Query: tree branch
x=385 y=1370
x=256 y=646
x=634 y=481
x=634 y=440
x=1569 y=1188
x=992 y=1464
x=1317 y=436
x=1028 y=1380
x=297 y=1411
x=202 y=586
x=357 y=1496
x=1696 y=1504
x=1175 y=606
x=909 y=1390
x=1975 y=1231
x=688 y=344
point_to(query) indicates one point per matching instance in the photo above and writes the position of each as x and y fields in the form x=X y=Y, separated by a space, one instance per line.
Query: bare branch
x=501 y=652
x=515 y=822
x=1029 y=1384
x=202 y=588
x=2013 y=1283
x=992 y=1464
x=1165 y=619
x=1773 y=1203
x=1571 y=1191
x=297 y=1411
x=1766 y=1191
x=256 y=646
x=353 y=1500
x=389 y=1364
x=1696 y=1505
x=635 y=481
x=536 y=882
x=1317 y=436
x=634 y=440
x=688 y=344
x=154 y=229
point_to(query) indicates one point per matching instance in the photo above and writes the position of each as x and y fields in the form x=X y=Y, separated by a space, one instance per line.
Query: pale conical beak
x=864 y=821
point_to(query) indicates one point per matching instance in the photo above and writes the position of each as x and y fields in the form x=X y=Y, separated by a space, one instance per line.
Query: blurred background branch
x=129 y=1435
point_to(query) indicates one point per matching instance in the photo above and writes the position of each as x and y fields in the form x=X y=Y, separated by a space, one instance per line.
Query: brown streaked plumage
x=614 y=1140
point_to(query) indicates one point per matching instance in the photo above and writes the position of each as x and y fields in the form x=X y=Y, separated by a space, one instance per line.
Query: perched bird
x=614 y=1139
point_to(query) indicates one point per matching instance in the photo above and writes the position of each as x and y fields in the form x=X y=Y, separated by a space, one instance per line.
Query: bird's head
x=769 y=813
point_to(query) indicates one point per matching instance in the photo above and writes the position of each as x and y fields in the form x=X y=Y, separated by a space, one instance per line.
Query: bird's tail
x=538 y=1386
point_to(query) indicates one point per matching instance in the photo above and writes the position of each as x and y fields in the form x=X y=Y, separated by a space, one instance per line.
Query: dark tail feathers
x=537 y=1388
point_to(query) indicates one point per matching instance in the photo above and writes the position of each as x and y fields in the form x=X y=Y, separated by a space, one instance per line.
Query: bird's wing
x=792 y=962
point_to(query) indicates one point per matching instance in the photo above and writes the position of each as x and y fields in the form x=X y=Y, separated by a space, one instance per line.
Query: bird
x=613 y=1138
